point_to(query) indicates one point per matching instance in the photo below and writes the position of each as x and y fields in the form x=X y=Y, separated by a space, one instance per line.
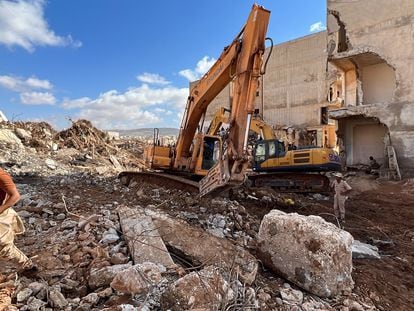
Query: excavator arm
x=240 y=62
x=246 y=69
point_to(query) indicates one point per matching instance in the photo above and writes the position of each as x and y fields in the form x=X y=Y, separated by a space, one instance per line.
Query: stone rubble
x=83 y=250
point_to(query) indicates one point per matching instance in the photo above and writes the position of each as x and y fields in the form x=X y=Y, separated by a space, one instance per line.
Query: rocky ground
x=70 y=203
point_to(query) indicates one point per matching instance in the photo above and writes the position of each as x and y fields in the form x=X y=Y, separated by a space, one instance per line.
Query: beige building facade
x=294 y=88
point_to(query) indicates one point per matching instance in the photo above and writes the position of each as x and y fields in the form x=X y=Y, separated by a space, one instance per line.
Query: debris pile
x=83 y=136
x=100 y=245
x=42 y=148
x=39 y=135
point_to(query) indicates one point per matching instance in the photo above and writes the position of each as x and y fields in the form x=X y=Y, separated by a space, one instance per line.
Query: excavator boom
x=197 y=154
x=231 y=168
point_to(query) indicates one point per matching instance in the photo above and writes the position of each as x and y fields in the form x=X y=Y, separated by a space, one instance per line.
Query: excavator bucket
x=221 y=177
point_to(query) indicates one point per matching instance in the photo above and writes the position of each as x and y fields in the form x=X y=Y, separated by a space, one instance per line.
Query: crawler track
x=291 y=182
x=160 y=179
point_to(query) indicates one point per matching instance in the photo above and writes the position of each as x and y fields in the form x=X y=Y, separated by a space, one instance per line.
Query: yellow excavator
x=295 y=170
x=258 y=127
x=201 y=156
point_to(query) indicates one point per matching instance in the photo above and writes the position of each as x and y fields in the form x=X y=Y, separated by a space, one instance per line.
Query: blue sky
x=122 y=63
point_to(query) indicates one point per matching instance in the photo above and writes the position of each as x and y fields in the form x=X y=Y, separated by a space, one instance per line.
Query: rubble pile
x=34 y=148
x=83 y=136
x=86 y=255
x=38 y=135
x=100 y=245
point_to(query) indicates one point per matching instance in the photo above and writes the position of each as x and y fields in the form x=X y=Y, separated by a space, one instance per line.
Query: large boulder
x=308 y=251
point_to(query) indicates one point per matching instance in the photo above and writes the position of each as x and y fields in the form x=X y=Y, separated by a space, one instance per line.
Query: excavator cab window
x=266 y=149
x=280 y=149
x=211 y=152
x=272 y=149
x=260 y=152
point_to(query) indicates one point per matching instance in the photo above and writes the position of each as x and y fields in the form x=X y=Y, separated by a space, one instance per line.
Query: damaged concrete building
x=370 y=43
x=359 y=73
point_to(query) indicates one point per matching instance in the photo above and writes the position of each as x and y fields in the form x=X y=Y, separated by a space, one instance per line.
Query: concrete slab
x=143 y=239
x=202 y=248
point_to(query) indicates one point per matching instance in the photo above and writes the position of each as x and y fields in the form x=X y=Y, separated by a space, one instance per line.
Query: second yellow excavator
x=273 y=166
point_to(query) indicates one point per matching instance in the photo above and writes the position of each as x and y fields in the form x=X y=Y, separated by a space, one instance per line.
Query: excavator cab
x=209 y=154
x=265 y=150
x=271 y=155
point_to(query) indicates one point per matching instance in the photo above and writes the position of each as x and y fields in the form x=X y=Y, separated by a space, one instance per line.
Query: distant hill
x=147 y=132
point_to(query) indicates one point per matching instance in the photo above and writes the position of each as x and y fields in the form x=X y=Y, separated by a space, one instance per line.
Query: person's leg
x=336 y=207
x=10 y=252
x=341 y=204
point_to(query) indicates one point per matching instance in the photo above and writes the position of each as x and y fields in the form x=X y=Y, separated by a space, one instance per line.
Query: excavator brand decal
x=334 y=158
x=215 y=74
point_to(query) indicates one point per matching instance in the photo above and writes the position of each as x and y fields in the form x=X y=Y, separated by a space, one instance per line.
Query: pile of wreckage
x=101 y=245
x=81 y=145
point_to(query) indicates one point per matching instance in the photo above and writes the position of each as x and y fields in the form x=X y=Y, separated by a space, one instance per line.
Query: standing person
x=341 y=189
x=11 y=224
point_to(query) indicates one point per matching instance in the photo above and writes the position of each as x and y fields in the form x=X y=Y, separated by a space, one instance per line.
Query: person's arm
x=347 y=188
x=12 y=194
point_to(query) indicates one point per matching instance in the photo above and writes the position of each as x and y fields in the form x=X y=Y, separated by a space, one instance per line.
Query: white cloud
x=32 y=90
x=203 y=65
x=189 y=74
x=319 y=26
x=19 y=84
x=137 y=107
x=152 y=78
x=22 y=23
x=37 y=98
x=39 y=84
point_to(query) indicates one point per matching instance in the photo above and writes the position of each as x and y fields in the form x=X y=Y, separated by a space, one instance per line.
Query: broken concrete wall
x=379 y=42
x=363 y=137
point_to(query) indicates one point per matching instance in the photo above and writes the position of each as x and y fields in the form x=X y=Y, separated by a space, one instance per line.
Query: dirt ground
x=382 y=212
x=386 y=214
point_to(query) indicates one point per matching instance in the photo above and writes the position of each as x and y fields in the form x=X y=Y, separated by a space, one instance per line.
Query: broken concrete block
x=308 y=251
x=8 y=136
x=24 y=294
x=144 y=241
x=290 y=295
x=118 y=259
x=57 y=300
x=137 y=279
x=110 y=237
x=104 y=276
x=91 y=298
x=198 y=246
x=200 y=289
x=35 y=304
x=364 y=251
x=23 y=134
